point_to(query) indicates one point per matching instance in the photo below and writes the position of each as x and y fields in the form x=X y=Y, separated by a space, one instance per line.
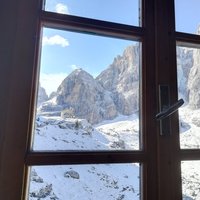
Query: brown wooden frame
x=146 y=157
x=170 y=154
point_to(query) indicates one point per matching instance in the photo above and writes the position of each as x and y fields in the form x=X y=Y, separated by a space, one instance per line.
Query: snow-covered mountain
x=42 y=95
x=84 y=95
x=194 y=81
x=115 y=91
x=121 y=78
x=184 y=64
x=188 y=66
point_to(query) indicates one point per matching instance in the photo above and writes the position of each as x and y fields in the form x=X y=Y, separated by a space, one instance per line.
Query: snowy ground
x=55 y=133
x=190 y=139
x=85 y=182
x=106 y=182
x=189 y=128
x=191 y=179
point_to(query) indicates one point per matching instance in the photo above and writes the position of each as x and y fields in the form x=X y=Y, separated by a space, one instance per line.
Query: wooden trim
x=168 y=159
x=19 y=21
x=148 y=104
x=190 y=154
x=91 y=26
x=75 y=157
x=160 y=156
x=188 y=40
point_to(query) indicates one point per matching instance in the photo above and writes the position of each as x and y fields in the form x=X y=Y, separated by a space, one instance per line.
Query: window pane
x=89 y=93
x=190 y=180
x=95 y=182
x=121 y=11
x=188 y=66
x=187 y=16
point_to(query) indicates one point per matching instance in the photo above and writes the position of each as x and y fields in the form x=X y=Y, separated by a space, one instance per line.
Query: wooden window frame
x=21 y=21
x=85 y=25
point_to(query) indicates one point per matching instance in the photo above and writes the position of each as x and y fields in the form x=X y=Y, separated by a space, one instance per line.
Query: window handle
x=165 y=109
x=170 y=110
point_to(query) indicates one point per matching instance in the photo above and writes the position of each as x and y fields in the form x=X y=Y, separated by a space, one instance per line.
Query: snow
x=189 y=128
x=104 y=181
x=191 y=179
x=113 y=182
x=55 y=133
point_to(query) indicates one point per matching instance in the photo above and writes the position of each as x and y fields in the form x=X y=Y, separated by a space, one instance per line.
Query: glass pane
x=85 y=182
x=88 y=94
x=188 y=66
x=187 y=16
x=190 y=180
x=120 y=11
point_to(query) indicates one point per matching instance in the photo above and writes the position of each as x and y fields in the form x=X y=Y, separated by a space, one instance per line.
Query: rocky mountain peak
x=194 y=81
x=76 y=82
x=80 y=74
x=122 y=79
x=42 y=95
x=83 y=97
x=116 y=90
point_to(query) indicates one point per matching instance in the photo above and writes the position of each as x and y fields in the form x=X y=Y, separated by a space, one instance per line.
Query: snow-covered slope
x=104 y=181
x=189 y=128
x=55 y=133
x=85 y=182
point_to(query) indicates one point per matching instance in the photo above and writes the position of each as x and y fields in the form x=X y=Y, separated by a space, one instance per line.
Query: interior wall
x=18 y=22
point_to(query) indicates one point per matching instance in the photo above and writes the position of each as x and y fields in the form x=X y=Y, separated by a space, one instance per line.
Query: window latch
x=170 y=110
x=166 y=109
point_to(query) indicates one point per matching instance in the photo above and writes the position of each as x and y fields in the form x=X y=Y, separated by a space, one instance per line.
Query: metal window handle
x=170 y=110
x=166 y=109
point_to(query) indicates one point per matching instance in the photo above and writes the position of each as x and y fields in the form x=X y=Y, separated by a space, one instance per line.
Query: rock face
x=184 y=65
x=42 y=95
x=116 y=90
x=81 y=93
x=194 y=79
x=72 y=174
x=121 y=78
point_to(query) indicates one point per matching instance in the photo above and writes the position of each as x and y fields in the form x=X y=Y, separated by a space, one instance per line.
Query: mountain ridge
x=116 y=89
x=86 y=97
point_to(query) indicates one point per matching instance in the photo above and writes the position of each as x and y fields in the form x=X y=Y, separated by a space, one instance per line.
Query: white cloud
x=55 y=40
x=51 y=81
x=61 y=8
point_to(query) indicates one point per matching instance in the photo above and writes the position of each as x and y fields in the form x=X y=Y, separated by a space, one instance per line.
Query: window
x=155 y=164
x=187 y=41
x=91 y=115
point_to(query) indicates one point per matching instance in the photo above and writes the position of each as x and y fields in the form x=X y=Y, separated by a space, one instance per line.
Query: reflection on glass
x=121 y=11
x=187 y=16
x=95 y=182
x=88 y=95
x=188 y=66
x=190 y=180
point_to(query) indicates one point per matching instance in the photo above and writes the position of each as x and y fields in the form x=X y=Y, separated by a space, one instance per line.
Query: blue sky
x=121 y=11
x=64 y=51
x=187 y=15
